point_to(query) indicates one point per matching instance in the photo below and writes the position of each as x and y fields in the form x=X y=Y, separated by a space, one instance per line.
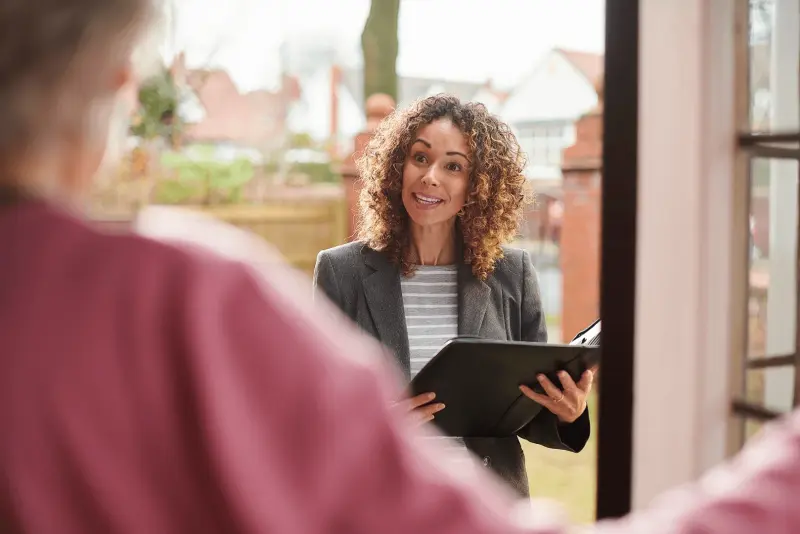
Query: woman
x=443 y=191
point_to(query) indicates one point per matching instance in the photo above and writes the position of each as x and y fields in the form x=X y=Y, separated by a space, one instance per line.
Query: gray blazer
x=365 y=285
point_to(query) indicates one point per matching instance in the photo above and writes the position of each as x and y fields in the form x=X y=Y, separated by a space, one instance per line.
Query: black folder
x=478 y=381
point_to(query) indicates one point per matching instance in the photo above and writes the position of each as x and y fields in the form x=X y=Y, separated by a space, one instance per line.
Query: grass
x=552 y=320
x=566 y=477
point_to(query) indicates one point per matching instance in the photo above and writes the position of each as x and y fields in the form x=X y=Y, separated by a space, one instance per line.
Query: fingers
x=426 y=414
x=424 y=419
x=544 y=400
x=553 y=392
x=566 y=382
x=585 y=383
x=567 y=405
x=430 y=409
x=419 y=400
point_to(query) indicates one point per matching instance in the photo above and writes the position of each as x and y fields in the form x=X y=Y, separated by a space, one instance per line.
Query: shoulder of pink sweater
x=756 y=491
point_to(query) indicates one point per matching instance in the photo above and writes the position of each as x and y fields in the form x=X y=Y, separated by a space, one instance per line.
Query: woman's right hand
x=423 y=408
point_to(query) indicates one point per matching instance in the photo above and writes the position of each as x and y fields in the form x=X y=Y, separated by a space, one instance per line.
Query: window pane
x=773 y=279
x=774 y=65
x=771 y=388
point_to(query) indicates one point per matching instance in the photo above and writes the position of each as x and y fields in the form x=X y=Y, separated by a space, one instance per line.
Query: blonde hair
x=55 y=56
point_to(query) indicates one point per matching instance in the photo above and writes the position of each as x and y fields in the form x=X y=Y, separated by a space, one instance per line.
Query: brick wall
x=580 y=233
x=378 y=107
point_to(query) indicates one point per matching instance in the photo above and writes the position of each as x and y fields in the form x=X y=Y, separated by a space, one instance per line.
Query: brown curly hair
x=498 y=190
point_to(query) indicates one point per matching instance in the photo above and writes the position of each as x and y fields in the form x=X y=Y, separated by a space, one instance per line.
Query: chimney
x=178 y=69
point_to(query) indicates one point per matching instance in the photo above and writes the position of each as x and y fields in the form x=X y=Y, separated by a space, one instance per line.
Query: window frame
x=618 y=258
x=770 y=146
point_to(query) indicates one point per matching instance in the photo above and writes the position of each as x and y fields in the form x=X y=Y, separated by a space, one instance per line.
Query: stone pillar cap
x=378 y=107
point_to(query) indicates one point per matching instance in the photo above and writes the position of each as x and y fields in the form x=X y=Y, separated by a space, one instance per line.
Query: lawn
x=564 y=476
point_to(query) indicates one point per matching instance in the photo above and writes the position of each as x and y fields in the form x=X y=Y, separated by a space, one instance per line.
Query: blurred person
x=443 y=193
x=147 y=388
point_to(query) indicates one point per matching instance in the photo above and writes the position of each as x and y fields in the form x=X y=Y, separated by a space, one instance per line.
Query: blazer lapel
x=385 y=302
x=473 y=298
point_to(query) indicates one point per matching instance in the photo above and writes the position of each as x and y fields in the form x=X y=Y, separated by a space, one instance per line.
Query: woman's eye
x=420 y=158
x=454 y=167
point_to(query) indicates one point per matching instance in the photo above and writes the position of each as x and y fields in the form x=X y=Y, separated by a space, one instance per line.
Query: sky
x=454 y=39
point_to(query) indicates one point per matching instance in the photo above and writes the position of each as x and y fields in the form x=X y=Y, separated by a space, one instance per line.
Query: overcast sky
x=455 y=39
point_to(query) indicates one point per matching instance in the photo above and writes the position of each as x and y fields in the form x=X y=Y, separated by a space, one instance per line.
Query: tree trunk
x=379 y=45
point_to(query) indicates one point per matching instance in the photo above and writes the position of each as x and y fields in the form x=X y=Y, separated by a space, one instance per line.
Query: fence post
x=378 y=107
x=580 y=233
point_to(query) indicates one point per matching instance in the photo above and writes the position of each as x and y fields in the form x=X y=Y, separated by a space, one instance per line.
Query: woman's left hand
x=568 y=404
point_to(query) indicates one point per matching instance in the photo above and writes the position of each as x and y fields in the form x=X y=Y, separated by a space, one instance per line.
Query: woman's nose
x=429 y=178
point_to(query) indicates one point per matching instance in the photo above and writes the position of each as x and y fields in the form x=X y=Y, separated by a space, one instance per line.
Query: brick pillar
x=378 y=106
x=333 y=134
x=580 y=232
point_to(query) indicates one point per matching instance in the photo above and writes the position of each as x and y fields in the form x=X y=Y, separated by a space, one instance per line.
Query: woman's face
x=436 y=174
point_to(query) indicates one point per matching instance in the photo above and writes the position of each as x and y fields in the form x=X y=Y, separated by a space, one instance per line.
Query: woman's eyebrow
x=423 y=141
x=429 y=145
x=458 y=154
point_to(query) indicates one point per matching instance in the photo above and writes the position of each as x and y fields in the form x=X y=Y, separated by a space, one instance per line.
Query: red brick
x=580 y=233
x=378 y=107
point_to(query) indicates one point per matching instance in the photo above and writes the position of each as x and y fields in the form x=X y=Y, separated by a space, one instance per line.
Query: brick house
x=543 y=109
x=331 y=107
x=215 y=110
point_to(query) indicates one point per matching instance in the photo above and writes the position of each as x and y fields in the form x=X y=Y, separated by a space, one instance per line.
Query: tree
x=379 y=45
x=158 y=106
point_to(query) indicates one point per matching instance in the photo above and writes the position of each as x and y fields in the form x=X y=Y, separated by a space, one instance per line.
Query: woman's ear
x=122 y=78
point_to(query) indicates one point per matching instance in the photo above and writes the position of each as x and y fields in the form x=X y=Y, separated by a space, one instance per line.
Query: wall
x=691 y=277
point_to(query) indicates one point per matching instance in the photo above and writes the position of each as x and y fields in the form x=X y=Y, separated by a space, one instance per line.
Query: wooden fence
x=299 y=223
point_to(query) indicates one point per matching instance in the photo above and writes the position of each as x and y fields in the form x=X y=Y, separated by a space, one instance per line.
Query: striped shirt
x=430 y=302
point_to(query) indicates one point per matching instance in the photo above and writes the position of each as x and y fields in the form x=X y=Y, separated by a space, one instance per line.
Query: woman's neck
x=433 y=245
x=52 y=177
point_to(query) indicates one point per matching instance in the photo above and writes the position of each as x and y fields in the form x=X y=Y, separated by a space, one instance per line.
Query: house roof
x=540 y=95
x=587 y=63
x=412 y=88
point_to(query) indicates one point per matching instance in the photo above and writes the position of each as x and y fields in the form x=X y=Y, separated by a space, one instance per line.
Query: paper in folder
x=478 y=381
x=590 y=336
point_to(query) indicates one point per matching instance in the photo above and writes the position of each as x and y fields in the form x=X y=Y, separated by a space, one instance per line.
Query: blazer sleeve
x=545 y=429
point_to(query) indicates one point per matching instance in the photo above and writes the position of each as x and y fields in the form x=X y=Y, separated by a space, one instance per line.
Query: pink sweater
x=147 y=389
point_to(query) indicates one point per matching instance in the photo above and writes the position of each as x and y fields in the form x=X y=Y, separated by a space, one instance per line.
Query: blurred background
x=258 y=106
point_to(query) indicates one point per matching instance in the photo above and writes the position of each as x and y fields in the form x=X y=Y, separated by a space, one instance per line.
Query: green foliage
x=203 y=179
x=301 y=140
x=158 y=108
x=318 y=173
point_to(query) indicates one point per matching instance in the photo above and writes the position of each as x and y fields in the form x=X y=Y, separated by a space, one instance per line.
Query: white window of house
x=569 y=135
x=555 y=144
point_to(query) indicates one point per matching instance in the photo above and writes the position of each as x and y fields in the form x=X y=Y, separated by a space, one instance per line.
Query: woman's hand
x=569 y=404
x=421 y=407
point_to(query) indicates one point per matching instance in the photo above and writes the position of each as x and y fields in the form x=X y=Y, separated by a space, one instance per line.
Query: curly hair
x=498 y=190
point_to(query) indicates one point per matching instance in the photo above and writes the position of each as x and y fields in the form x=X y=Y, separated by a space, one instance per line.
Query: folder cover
x=478 y=381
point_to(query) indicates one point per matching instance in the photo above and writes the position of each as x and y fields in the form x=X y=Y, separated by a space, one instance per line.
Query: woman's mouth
x=426 y=201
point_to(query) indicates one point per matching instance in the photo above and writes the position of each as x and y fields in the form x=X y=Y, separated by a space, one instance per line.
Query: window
x=769 y=383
